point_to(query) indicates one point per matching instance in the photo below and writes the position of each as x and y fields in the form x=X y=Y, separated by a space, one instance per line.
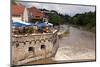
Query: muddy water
x=78 y=45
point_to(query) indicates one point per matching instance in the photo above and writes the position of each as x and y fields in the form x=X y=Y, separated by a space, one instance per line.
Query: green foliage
x=54 y=18
x=86 y=20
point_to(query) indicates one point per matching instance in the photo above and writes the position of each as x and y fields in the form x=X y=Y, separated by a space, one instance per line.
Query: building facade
x=21 y=13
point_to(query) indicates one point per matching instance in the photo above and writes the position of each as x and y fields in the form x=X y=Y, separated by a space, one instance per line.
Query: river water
x=78 y=45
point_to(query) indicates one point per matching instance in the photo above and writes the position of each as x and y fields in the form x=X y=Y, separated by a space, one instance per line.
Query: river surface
x=78 y=45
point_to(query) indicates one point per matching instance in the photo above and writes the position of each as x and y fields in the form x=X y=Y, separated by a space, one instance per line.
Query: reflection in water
x=78 y=45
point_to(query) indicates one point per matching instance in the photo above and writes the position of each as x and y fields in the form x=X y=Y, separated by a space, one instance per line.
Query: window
x=17 y=44
x=43 y=47
x=31 y=49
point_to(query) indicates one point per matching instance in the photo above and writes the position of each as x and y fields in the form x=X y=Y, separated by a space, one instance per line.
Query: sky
x=61 y=8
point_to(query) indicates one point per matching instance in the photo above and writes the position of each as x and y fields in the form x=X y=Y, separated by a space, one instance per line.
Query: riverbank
x=93 y=30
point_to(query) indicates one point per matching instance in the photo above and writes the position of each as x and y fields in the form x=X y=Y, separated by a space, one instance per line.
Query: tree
x=54 y=18
x=86 y=20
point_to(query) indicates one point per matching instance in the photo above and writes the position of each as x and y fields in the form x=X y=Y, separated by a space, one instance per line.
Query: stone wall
x=32 y=46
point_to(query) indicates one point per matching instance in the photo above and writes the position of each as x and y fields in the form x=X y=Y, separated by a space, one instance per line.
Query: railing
x=34 y=38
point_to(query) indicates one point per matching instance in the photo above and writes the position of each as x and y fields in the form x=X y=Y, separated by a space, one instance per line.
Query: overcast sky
x=60 y=8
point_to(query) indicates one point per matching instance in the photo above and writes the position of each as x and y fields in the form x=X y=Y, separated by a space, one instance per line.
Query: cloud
x=60 y=8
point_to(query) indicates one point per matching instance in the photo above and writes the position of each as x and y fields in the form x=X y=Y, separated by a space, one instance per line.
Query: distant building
x=20 y=12
x=35 y=13
x=17 y=12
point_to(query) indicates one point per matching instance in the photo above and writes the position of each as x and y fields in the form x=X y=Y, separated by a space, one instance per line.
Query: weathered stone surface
x=29 y=47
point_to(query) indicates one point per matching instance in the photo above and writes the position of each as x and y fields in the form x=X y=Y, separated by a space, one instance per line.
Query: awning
x=43 y=24
x=21 y=24
x=24 y=24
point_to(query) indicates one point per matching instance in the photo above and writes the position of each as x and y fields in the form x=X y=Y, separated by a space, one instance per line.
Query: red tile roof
x=17 y=10
x=36 y=13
